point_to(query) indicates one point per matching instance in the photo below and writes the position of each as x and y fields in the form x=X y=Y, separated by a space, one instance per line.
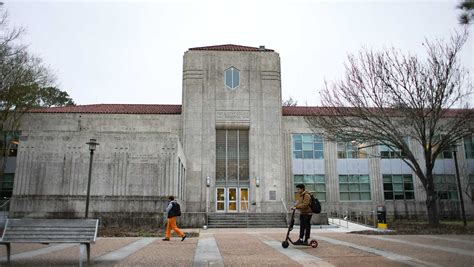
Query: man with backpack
x=173 y=210
x=303 y=205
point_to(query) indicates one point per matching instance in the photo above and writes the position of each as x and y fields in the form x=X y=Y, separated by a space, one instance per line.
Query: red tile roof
x=114 y=109
x=231 y=47
x=176 y=109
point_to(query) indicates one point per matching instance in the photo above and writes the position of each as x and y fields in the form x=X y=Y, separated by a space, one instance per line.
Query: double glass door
x=232 y=199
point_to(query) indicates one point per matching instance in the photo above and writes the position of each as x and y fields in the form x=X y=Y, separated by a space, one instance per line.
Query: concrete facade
x=145 y=156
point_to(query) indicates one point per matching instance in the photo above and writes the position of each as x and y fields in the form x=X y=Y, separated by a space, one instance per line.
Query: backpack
x=175 y=210
x=315 y=205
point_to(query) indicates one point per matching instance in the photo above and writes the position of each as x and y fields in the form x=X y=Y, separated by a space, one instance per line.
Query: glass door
x=232 y=200
x=244 y=199
x=220 y=200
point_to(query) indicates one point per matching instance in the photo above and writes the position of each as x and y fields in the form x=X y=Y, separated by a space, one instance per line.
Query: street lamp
x=92 y=144
x=454 y=147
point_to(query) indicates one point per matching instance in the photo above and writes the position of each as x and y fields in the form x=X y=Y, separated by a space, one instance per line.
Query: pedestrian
x=173 y=210
x=303 y=205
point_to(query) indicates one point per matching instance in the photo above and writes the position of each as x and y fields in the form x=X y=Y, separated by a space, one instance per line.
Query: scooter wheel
x=285 y=244
x=313 y=243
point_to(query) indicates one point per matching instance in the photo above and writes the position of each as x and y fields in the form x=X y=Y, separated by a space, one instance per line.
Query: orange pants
x=172 y=225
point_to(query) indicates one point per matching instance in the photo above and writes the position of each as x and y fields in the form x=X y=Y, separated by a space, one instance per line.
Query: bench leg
x=8 y=251
x=88 y=247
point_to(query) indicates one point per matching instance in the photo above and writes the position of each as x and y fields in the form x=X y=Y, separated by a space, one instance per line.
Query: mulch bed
x=421 y=228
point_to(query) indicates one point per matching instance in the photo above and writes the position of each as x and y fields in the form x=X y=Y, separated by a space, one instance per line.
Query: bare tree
x=387 y=96
x=25 y=83
x=467 y=15
x=290 y=102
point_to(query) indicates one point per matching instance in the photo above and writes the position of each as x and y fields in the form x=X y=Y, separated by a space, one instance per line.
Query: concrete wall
x=255 y=105
x=135 y=167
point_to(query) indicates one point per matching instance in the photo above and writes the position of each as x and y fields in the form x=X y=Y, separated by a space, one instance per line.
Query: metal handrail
x=4 y=204
x=285 y=210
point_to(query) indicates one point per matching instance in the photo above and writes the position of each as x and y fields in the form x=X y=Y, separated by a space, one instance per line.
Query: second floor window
x=232 y=77
x=469 y=147
x=350 y=150
x=308 y=146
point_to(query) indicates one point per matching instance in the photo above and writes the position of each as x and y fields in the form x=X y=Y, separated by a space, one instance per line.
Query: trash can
x=381 y=217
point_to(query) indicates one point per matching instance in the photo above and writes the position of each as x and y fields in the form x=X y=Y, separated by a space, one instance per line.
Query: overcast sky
x=132 y=52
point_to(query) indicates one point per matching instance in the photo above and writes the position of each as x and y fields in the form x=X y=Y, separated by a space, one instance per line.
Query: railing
x=342 y=216
x=284 y=209
x=5 y=204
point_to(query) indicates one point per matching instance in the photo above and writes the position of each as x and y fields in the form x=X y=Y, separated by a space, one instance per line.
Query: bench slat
x=50 y=231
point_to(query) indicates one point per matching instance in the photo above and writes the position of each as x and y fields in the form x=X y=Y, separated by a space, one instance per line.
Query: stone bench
x=46 y=231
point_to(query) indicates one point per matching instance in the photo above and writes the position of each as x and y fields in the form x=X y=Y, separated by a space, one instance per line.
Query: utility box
x=381 y=217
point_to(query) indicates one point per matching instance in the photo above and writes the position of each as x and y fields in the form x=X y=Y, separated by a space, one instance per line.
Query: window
x=308 y=146
x=315 y=184
x=398 y=186
x=232 y=155
x=6 y=185
x=469 y=147
x=350 y=150
x=354 y=187
x=445 y=186
x=9 y=143
x=392 y=152
x=232 y=77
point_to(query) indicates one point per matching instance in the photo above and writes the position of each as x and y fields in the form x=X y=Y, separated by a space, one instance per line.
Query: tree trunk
x=432 y=205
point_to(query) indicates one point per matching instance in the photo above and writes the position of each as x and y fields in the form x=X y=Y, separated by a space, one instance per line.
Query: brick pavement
x=257 y=247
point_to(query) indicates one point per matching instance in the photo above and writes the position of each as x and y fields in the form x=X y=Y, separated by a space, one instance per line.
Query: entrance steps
x=246 y=220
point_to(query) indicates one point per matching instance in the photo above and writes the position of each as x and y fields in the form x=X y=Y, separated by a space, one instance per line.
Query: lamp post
x=463 y=213
x=92 y=144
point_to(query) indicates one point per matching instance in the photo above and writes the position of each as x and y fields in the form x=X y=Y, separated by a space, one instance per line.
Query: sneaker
x=299 y=242
x=184 y=237
x=165 y=239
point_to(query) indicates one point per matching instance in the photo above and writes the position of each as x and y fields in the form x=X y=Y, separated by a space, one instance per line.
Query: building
x=230 y=147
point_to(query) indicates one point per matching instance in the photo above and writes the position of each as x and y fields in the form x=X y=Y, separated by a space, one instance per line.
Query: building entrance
x=232 y=199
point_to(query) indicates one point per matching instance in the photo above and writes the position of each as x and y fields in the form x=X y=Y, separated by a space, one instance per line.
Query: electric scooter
x=313 y=243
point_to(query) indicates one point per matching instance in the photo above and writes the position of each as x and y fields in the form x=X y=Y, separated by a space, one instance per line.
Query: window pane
x=387 y=178
x=228 y=78
x=318 y=155
x=236 y=78
x=318 y=138
x=364 y=178
x=354 y=196
x=388 y=195
x=321 y=196
x=298 y=146
x=344 y=196
x=308 y=146
x=318 y=146
x=409 y=195
x=298 y=154
x=398 y=195
x=408 y=186
x=310 y=187
x=353 y=178
x=344 y=187
x=297 y=137
x=308 y=138
x=319 y=179
x=398 y=187
x=365 y=196
x=354 y=187
x=320 y=188
x=308 y=179
x=308 y=154
x=298 y=179
x=343 y=178
x=397 y=178
x=387 y=186
x=364 y=187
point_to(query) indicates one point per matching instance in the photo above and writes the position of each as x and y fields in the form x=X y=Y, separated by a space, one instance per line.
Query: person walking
x=173 y=211
x=303 y=205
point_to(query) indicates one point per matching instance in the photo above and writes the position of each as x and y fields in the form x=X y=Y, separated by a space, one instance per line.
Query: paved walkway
x=258 y=247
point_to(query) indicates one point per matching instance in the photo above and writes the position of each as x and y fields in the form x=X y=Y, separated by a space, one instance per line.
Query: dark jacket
x=304 y=200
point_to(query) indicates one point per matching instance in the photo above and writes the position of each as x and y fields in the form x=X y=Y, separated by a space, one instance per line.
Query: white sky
x=131 y=52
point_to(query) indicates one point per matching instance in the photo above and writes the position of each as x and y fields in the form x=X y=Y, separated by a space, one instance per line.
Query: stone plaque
x=233 y=115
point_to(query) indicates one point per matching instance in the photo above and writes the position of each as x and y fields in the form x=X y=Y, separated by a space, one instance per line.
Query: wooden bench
x=45 y=231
